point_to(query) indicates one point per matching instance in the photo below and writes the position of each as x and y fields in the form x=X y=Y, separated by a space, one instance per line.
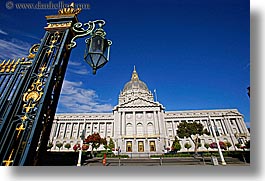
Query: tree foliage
x=187 y=145
x=85 y=146
x=238 y=145
x=94 y=140
x=192 y=131
x=207 y=145
x=59 y=145
x=49 y=146
x=104 y=142
x=228 y=144
x=67 y=146
x=111 y=144
x=188 y=129
x=221 y=144
x=76 y=147
x=176 y=145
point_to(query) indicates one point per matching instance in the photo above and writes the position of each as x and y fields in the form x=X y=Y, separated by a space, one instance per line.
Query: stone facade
x=139 y=125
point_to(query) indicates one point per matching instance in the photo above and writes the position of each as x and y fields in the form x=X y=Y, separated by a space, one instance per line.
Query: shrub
x=187 y=145
x=67 y=145
x=59 y=145
x=76 y=147
x=49 y=146
x=207 y=145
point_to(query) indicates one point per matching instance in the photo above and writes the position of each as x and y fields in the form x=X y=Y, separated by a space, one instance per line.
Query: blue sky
x=196 y=54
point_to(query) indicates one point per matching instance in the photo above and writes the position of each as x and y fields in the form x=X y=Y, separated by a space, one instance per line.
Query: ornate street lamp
x=97 y=50
x=97 y=46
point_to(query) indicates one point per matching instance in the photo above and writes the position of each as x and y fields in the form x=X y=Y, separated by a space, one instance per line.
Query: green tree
x=176 y=145
x=104 y=142
x=191 y=130
x=207 y=145
x=67 y=146
x=187 y=145
x=111 y=144
x=59 y=145
x=238 y=145
x=49 y=146
x=228 y=144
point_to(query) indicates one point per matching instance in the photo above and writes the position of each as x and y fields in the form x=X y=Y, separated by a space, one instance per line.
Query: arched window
x=139 y=129
x=129 y=129
x=150 y=129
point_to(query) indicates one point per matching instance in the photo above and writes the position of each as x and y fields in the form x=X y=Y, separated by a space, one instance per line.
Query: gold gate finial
x=70 y=10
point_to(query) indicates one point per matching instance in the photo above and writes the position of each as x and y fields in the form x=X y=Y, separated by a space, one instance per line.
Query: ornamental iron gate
x=29 y=93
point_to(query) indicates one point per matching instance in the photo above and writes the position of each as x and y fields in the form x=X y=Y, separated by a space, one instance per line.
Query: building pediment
x=139 y=102
x=233 y=113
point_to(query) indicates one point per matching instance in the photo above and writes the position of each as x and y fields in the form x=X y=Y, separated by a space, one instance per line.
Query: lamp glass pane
x=102 y=61
x=97 y=52
x=106 y=49
x=96 y=45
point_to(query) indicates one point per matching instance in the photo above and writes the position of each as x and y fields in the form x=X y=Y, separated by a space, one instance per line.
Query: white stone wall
x=229 y=123
x=146 y=125
x=67 y=128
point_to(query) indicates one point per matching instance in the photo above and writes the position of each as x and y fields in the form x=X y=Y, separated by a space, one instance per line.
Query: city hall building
x=140 y=125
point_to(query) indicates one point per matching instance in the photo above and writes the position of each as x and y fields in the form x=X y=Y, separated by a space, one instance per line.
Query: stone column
x=112 y=131
x=161 y=124
x=71 y=130
x=173 y=129
x=78 y=129
x=119 y=124
x=228 y=124
x=106 y=130
x=243 y=125
x=134 y=124
x=123 y=125
x=63 y=134
x=223 y=126
x=156 y=123
x=144 y=123
x=239 y=126
x=146 y=146
x=53 y=130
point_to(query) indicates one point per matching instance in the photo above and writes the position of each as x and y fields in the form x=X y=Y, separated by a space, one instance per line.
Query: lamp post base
x=223 y=163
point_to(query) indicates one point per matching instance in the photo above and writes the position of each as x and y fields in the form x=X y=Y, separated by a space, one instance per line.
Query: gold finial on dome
x=70 y=10
x=134 y=75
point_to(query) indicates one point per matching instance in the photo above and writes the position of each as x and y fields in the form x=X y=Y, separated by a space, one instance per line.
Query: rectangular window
x=129 y=146
x=152 y=146
x=140 y=146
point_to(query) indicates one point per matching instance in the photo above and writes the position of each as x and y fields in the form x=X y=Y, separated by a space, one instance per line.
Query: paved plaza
x=185 y=161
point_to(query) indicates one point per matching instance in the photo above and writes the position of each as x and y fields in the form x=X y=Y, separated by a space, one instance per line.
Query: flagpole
x=82 y=137
x=155 y=95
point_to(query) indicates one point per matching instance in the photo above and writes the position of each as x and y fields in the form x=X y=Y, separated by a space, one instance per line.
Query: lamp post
x=217 y=142
x=119 y=155
x=82 y=137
